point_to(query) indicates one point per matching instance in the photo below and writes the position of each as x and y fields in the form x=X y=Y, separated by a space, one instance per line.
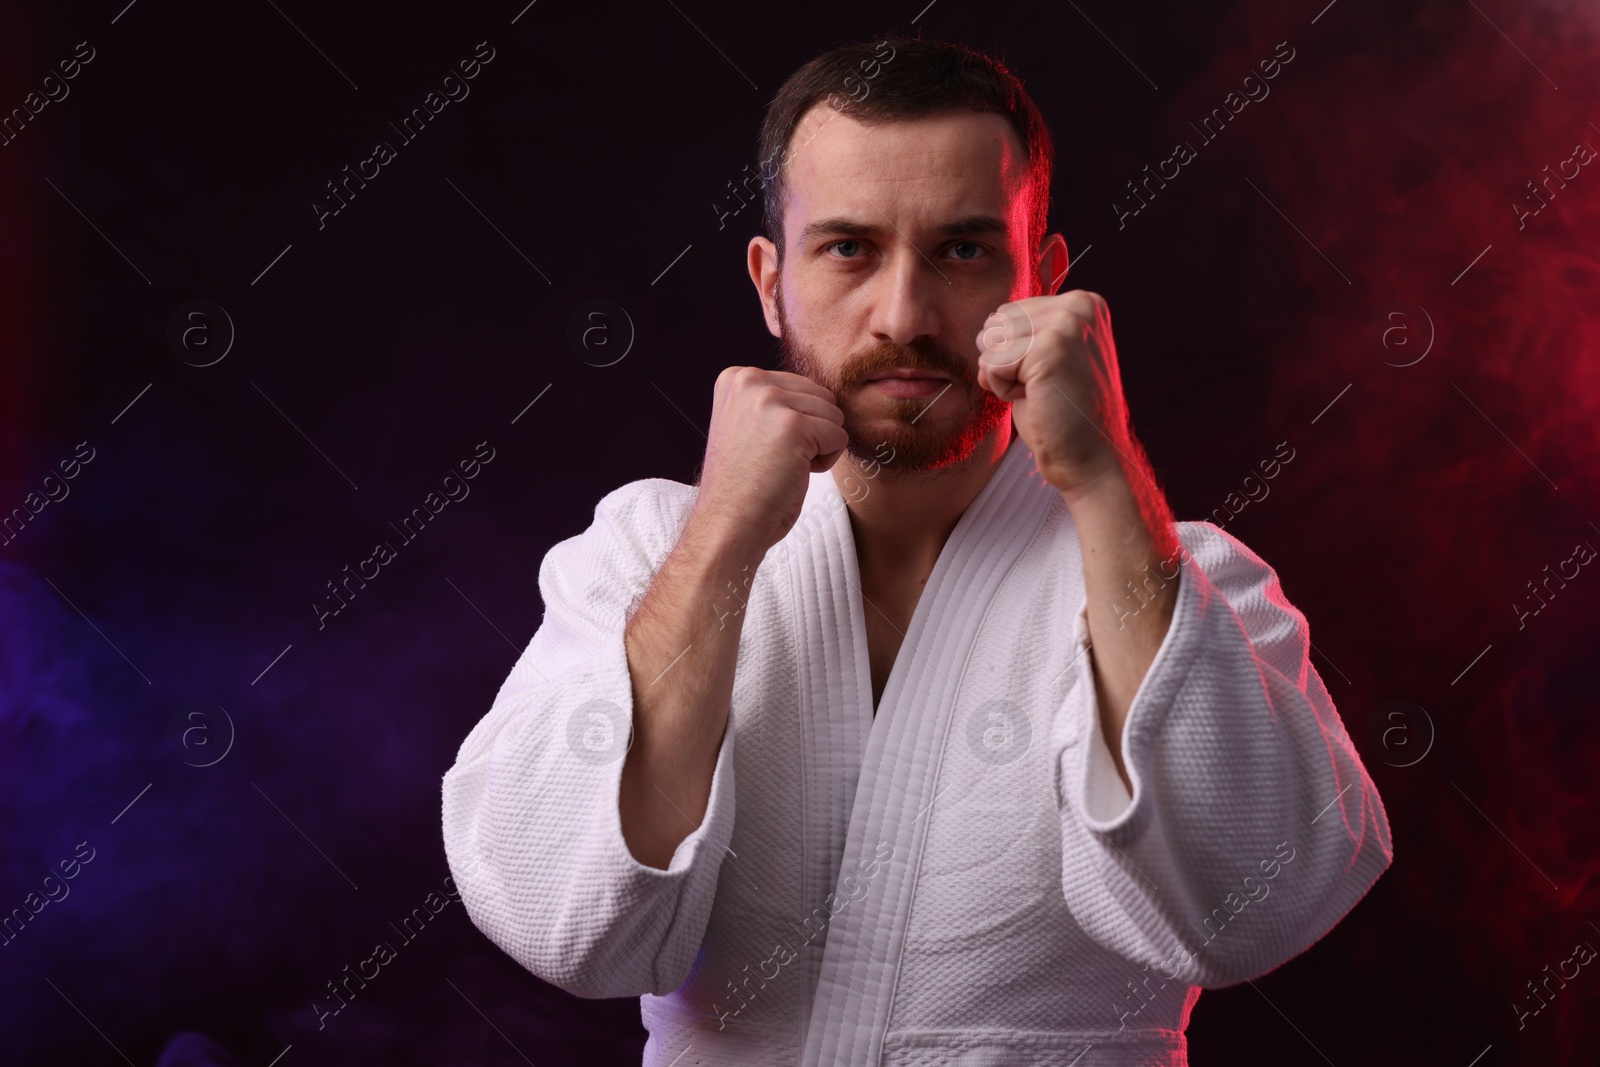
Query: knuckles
x=1078 y=315
x=1070 y=313
x=739 y=377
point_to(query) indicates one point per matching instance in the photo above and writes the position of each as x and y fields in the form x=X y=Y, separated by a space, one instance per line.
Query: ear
x=1053 y=260
x=763 y=263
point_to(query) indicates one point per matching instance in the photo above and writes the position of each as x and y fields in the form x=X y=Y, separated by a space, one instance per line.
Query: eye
x=973 y=245
x=837 y=244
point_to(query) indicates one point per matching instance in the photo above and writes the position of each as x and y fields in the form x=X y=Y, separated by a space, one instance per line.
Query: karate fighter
x=918 y=731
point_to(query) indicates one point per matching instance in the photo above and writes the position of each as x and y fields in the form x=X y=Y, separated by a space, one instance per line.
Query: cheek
x=1025 y=281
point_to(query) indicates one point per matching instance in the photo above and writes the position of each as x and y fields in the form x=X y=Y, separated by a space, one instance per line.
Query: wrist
x=1116 y=503
x=722 y=540
x=1110 y=482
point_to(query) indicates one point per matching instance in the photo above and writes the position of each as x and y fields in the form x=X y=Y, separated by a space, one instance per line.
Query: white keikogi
x=960 y=878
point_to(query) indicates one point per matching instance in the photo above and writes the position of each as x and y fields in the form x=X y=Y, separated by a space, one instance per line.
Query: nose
x=905 y=302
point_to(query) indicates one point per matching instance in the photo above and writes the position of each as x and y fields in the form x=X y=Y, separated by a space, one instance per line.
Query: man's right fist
x=770 y=431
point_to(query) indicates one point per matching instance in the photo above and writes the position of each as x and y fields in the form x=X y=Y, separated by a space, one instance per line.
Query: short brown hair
x=917 y=78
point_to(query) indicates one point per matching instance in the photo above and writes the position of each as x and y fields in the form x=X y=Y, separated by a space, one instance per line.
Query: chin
x=931 y=443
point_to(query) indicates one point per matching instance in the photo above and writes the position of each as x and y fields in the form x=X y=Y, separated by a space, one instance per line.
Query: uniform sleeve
x=531 y=808
x=1252 y=826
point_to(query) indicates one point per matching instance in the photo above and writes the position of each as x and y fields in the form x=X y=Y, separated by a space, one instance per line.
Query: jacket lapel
x=834 y=706
x=876 y=777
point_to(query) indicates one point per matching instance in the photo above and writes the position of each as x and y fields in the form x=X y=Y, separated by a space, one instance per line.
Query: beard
x=903 y=433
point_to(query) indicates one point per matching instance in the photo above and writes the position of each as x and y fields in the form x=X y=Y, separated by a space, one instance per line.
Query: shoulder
x=635 y=526
x=1246 y=581
x=1220 y=553
x=650 y=511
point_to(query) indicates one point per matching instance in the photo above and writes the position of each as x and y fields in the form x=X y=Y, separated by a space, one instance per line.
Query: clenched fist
x=1054 y=359
x=770 y=431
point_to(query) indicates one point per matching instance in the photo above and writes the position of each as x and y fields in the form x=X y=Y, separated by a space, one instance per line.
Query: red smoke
x=1400 y=144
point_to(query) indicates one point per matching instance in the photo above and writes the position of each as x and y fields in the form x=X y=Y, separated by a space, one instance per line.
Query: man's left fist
x=1054 y=359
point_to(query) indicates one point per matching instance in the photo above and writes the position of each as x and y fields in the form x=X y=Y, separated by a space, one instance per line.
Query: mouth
x=909 y=382
x=907 y=374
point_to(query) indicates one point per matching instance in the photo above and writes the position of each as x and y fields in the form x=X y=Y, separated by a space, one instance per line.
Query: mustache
x=932 y=357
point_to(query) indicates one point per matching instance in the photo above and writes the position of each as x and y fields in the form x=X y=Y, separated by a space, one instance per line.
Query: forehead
x=919 y=170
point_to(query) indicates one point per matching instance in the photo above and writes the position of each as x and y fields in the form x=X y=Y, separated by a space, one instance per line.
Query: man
x=1021 y=763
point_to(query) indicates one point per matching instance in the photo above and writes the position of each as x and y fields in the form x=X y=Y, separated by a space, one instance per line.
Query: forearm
x=682 y=644
x=1131 y=563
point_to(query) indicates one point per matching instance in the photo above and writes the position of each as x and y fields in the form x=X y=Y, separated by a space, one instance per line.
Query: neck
x=902 y=520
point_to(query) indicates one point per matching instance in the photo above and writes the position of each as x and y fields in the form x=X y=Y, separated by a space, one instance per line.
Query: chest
x=887 y=609
x=953 y=793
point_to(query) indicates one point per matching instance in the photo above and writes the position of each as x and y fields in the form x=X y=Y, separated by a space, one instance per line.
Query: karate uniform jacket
x=960 y=878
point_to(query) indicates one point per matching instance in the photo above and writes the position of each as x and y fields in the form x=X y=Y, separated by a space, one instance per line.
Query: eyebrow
x=848 y=227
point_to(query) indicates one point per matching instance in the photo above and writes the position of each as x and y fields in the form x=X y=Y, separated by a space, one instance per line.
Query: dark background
x=1254 y=292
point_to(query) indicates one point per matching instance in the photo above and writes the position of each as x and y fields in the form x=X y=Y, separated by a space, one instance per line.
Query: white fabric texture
x=962 y=878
